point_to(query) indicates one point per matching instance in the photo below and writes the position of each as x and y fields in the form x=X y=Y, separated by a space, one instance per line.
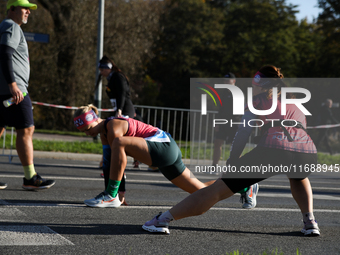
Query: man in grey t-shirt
x=14 y=76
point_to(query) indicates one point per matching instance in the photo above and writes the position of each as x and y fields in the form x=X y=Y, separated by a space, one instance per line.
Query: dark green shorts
x=167 y=157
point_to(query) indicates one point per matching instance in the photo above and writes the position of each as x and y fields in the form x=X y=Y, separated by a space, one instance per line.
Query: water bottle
x=8 y=102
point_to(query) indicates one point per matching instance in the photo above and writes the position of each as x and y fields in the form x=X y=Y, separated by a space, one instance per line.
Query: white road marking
x=8 y=214
x=169 y=207
x=18 y=234
x=166 y=207
x=157 y=181
x=288 y=187
x=23 y=204
x=235 y=209
x=288 y=195
x=58 y=178
x=318 y=197
x=201 y=176
x=168 y=182
x=30 y=235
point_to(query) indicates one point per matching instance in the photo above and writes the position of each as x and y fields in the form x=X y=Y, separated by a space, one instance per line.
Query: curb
x=67 y=156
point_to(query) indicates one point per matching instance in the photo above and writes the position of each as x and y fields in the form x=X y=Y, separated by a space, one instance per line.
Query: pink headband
x=259 y=81
x=85 y=119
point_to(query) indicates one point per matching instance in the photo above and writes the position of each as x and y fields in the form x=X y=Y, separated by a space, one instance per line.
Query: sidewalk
x=67 y=156
x=58 y=155
x=72 y=156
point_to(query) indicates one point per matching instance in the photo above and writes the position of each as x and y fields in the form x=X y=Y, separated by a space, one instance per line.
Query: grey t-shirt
x=12 y=36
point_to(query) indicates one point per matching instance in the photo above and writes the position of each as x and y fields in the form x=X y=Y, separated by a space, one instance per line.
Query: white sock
x=308 y=216
x=166 y=215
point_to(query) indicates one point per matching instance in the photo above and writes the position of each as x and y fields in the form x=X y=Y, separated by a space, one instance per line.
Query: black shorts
x=19 y=116
x=262 y=156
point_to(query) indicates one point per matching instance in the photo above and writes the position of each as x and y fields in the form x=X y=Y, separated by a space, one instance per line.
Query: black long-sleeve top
x=326 y=116
x=118 y=90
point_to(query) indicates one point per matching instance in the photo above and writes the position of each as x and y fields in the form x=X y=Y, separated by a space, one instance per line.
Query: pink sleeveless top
x=275 y=137
x=139 y=129
x=136 y=128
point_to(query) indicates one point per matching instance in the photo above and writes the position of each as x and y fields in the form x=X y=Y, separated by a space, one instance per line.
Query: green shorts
x=167 y=157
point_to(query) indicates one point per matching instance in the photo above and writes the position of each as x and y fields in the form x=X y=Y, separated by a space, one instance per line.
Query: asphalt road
x=56 y=221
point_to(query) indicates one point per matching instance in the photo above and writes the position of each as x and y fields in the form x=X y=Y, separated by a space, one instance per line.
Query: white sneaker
x=103 y=200
x=3 y=185
x=157 y=226
x=249 y=197
x=311 y=228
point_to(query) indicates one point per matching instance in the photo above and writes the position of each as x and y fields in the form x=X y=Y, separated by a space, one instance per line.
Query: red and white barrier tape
x=111 y=110
x=68 y=107
x=325 y=126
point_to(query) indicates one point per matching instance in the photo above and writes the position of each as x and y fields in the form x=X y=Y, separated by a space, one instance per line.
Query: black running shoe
x=36 y=182
x=3 y=185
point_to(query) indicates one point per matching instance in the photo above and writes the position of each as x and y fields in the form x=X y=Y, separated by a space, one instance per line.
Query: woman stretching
x=279 y=146
x=147 y=144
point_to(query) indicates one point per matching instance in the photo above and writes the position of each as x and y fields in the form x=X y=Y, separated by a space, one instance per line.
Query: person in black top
x=117 y=89
x=223 y=134
x=326 y=117
x=226 y=134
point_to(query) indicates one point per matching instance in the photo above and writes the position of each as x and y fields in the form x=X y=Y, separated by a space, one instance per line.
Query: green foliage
x=58 y=146
x=63 y=71
x=202 y=153
x=190 y=45
x=160 y=45
x=259 y=33
x=307 y=40
x=149 y=92
x=73 y=147
x=57 y=132
x=200 y=39
x=328 y=159
x=329 y=24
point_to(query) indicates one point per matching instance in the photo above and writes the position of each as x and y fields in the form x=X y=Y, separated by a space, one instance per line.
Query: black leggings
x=106 y=168
x=265 y=157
